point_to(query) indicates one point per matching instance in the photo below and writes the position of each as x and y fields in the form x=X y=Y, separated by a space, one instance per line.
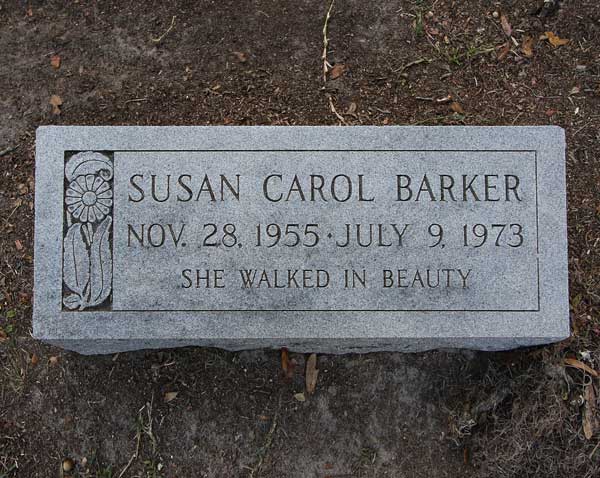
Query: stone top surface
x=316 y=238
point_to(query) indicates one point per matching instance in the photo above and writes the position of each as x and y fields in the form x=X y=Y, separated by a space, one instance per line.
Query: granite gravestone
x=323 y=239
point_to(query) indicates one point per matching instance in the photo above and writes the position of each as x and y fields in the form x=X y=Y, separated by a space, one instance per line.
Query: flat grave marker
x=324 y=239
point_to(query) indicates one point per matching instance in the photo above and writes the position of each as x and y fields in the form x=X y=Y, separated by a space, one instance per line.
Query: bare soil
x=436 y=414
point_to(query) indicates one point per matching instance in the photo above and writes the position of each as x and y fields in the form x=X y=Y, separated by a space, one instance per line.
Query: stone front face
x=314 y=238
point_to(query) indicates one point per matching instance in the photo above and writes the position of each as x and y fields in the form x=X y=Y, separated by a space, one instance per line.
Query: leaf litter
x=312 y=372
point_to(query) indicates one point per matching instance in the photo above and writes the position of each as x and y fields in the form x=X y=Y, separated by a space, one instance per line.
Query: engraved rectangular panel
x=380 y=216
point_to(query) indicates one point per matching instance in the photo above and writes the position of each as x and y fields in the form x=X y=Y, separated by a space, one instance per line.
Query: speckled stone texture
x=387 y=238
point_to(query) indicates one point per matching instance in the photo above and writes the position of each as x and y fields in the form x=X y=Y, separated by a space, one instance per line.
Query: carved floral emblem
x=87 y=251
x=88 y=198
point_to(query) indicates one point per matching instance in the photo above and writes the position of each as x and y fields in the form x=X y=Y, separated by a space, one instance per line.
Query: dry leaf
x=311 y=373
x=34 y=359
x=457 y=108
x=55 y=61
x=555 y=40
x=351 y=109
x=337 y=71
x=18 y=245
x=29 y=12
x=300 y=397
x=287 y=365
x=505 y=25
x=590 y=420
x=527 y=47
x=170 y=396
x=285 y=360
x=503 y=50
x=53 y=360
x=3 y=336
x=571 y=362
x=56 y=102
x=241 y=56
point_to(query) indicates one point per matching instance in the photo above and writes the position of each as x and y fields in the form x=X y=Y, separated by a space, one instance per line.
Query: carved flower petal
x=72 y=193
x=91 y=214
x=74 y=185
x=77 y=210
x=89 y=181
x=103 y=187
x=74 y=206
x=99 y=213
x=102 y=208
x=72 y=200
x=84 y=214
x=81 y=182
x=106 y=202
x=97 y=183
x=105 y=194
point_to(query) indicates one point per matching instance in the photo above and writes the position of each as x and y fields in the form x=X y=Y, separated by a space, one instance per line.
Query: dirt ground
x=514 y=414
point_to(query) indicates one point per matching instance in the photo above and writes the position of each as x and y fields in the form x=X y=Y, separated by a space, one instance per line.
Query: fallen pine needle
x=160 y=38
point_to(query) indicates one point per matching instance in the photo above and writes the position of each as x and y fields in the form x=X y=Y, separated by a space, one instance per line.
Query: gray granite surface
x=324 y=239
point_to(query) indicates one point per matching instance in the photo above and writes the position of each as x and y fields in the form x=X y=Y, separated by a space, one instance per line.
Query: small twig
x=11 y=214
x=516 y=118
x=326 y=64
x=126 y=466
x=160 y=38
x=412 y=63
x=135 y=100
x=594 y=450
x=268 y=441
x=445 y=99
x=581 y=129
x=334 y=111
x=8 y=150
x=138 y=437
